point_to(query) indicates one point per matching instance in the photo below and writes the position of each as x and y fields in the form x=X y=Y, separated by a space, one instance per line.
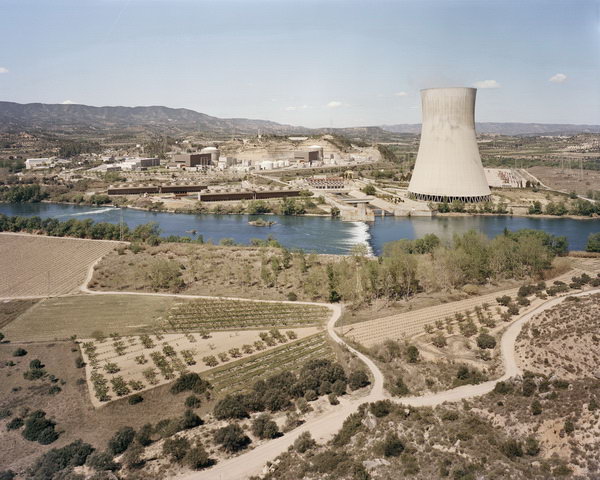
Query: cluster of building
x=41 y=163
x=112 y=164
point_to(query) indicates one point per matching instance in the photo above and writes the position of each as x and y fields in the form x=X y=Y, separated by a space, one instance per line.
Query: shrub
x=144 y=435
x=412 y=353
x=512 y=448
x=523 y=301
x=502 y=388
x=57 y=459
x=190 y=420
x=15 y=424
x=381 y=408
x=231 y=438
x=7 y=475
x=264 y=427
x=192 y=401
x=79 y=363
x=196 y=458
x=176 y=448
x=532 y=447
x=19 y=352
x=333 y=400
x=102 y=461
x=325 y=388
x=358 y=379
x=484 y=340
x=5 y=413
x=569 y=426
x=504 y=300
x=392 y=445
x=304 y=442
x=529 y=387
x=121 y=440
x=351 y=426
x=399 y=388
x=513 y=309
x=135 y=399
x=536 y=407
x=339 y=387
x=230 y=407
x=439 y=341
x=39 y=429
x=190 y=382
x=310 y=396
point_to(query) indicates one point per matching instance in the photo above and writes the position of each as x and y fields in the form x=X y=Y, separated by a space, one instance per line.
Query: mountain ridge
x=71 y=118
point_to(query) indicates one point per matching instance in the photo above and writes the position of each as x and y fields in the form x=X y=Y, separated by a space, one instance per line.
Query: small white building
x=38 y=163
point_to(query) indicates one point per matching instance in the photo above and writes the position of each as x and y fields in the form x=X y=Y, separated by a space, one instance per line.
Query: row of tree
x=579 y=207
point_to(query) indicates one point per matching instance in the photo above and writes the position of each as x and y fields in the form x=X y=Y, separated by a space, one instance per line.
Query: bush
x=333 y=400
x=392 y=445
x=176 y=448
x=39 y=429
x=192 y=401
x=412 y=353
x=536 y=407
x=504 y=300
x=19 y=352
x=144 y=435
x=121 y=440
x=381 y=408
x=135 y=399
x=231 y=438
x=485 y=340
x=197 y=458
x=310 y=396
x=57 y=459
x=102 y=461
x=5 y=413
x=513 y=309
x=512 y=448
x=15 y=424
x=230 y=407
x=569 y=426
x=190 y=382
x=264 y=427
x=502 y=388
x=79 y=363
x=358 y=379
x=439 y=341
x=339 y=387
x=304 y=442
x=7 y=475
x=190 y=420
x=532 y=447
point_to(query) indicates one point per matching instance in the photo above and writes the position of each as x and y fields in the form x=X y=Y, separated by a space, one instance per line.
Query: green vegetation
x=593 y=243
x=22 y=194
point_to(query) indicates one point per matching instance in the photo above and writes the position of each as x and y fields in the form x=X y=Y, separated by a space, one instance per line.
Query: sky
x=312 y=63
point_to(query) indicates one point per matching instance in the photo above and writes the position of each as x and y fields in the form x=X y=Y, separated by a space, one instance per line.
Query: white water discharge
x=359 y=234
x=89 y=212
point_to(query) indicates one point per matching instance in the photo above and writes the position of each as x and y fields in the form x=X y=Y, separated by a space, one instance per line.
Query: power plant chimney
x=448 y=165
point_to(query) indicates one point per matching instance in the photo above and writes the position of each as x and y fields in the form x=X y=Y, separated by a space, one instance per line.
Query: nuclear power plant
x=448 y=165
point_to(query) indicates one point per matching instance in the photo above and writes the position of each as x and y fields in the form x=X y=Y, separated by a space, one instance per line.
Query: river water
x=317 y=234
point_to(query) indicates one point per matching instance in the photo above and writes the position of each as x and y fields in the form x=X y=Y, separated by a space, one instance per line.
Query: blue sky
x=312 y=63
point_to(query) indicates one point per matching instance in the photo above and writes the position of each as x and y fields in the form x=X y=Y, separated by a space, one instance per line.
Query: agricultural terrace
x=119 y=366
x=225 y=314
x=404 y=325
x=86 y=315
x=34 y=266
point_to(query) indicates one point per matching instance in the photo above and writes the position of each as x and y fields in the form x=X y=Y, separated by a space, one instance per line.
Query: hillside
x=60 y=118
x=70 y=118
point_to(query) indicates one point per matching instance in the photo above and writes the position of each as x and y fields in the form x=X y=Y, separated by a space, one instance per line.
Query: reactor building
x=448 y=165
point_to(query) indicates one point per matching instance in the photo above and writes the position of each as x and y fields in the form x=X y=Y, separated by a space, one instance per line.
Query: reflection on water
x=318 y=234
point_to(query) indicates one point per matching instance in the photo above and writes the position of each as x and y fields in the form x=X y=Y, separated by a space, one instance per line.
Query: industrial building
x=227 y=194
x=37 y=163
x=448 y=165
x=204 y=159
x=311 y=155
x=175 y=188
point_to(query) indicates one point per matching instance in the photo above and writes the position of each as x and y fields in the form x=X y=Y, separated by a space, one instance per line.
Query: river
x=317 y=234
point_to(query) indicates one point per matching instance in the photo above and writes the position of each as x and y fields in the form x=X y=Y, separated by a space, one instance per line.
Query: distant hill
x=508 y=128
x=72 y=118
x=61 y=118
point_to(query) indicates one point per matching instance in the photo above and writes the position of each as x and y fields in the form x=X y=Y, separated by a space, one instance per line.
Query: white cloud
x=68 y=102
x=558 y=78
x=334 y=104
x=400 y=94
x=294 y=108
x=486 y=84
x=3 y=70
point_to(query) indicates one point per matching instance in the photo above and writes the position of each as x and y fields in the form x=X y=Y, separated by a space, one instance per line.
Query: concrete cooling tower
x=448 y=165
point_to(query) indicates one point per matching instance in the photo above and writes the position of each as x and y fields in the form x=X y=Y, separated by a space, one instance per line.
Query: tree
x=412 y=353
x=369 y=190
x=304 y=442
x=392 y=445
x=265 y=427
x=593 y=242
x=192 y=401
x=19 y=352
x=121 y=440
x=339 y=387
x=197 y=458
x=512 y=448
x=102 y=461
x=176 y=448
x=358 y=379
x=190 y=382
x=536 y=407
x=231 y=438
x=485 y=340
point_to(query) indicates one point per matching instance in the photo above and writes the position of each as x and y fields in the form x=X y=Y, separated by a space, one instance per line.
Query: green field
x=81 y=315
x=60 y=318
x=239 y=375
